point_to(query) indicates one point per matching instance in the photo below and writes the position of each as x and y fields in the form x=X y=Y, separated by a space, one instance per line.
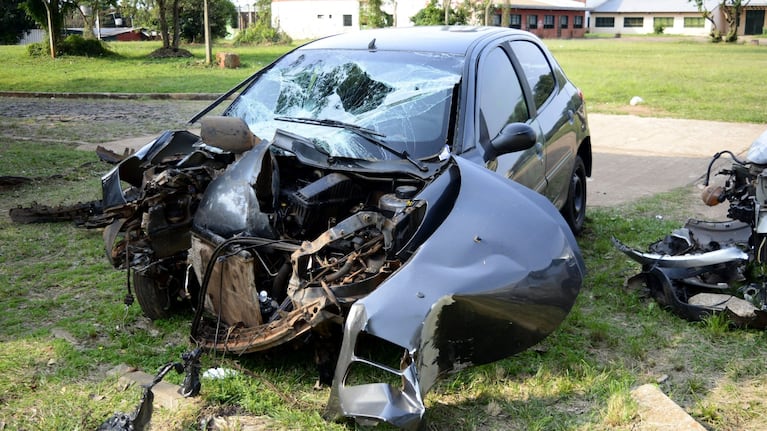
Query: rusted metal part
x=242 y=339
x=85 y=214
x=231 y=293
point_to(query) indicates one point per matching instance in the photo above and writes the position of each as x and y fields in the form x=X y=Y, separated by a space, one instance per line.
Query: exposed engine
x=329 y=239
x=264 y=247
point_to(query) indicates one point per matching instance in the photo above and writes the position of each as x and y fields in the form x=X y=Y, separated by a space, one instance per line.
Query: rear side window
x=501 y=100
x=540 y=76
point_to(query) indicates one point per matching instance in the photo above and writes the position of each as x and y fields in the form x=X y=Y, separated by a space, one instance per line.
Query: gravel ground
x=81 y=121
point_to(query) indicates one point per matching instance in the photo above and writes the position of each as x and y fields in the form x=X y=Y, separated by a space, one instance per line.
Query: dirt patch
x=92 y=121
x=170 y=53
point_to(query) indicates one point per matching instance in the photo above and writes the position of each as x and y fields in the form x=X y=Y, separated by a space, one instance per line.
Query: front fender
x=497 y=276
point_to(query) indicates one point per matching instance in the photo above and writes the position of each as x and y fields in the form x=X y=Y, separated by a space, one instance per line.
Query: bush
x=659 y=28
x=38 y=49
x=261 y=34
x=75 y=45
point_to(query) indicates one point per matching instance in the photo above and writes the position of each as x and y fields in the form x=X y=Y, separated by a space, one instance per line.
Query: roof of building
x=666 y=6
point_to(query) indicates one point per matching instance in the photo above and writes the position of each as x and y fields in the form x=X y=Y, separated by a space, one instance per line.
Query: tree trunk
x=206 y=19
x=505 y=13
x=51 y=29
x=163 y=24
x=488 y=5
x=176 y=26
x=732 y=16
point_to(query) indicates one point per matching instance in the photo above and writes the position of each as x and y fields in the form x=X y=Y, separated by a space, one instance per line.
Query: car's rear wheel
x=156 y=294
x=574 y=210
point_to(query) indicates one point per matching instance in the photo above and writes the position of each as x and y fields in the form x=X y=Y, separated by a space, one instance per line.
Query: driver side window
x=501 y=100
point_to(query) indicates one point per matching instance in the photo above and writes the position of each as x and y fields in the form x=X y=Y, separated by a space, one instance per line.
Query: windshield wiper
x=368 y=134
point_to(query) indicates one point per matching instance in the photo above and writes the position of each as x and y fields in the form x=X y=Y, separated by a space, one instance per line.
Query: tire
x=156 y=297
x=574 y=210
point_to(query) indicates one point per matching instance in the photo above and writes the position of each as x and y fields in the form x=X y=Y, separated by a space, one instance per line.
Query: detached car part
x=706 y=268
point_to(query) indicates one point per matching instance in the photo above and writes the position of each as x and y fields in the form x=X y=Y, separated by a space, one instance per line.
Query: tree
x=371 y=15
x=221 y=13
x=14 y=22
x=49 y=14
x=141 y=12
x=170 y=41
x=731 y=9
x=433 y=14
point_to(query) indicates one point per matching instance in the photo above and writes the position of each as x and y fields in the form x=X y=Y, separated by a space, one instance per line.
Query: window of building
x=563 y=21
x=496 y=20
x=693 y=22
x=663 y=21
x=347 y=20
x=578 y=21
x=532 y=21
x=515 y=21
x=548 y=21
x=604 y=22
x=633 y=21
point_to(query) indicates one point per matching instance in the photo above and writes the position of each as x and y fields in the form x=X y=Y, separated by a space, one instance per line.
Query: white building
x=642 y=16
x=310 y=19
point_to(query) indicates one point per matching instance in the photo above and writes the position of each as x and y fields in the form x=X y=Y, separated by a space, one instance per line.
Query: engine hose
x=341 y=271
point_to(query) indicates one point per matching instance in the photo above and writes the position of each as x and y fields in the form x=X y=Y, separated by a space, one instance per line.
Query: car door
x=500 y=101
x=551 y=111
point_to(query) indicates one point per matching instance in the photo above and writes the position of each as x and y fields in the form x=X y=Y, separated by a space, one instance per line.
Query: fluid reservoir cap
x=405 y=192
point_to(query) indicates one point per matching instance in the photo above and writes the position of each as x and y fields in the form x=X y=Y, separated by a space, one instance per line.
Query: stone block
x=227 y=60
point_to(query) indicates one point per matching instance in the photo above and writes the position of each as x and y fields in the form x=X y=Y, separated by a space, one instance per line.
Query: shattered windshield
x=404 y=97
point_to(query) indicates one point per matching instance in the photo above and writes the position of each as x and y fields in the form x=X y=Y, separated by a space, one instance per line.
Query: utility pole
x=208 y=49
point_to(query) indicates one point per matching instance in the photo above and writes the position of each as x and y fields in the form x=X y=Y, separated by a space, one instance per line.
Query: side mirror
x=512 y=138
x=228 y=133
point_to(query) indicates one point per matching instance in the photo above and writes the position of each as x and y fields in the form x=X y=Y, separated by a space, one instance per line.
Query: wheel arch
x=584 y=151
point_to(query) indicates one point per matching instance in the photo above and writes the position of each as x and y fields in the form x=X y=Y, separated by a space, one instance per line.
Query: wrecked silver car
x=705 y=267
x=337 y=203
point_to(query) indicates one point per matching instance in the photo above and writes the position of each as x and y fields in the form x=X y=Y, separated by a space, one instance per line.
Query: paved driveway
x=638 y=156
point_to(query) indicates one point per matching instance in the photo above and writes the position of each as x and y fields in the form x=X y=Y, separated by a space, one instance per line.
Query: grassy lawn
x=64 y=324
x=683 y=78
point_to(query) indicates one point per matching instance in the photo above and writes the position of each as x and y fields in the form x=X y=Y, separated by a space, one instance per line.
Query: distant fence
x=33 y=36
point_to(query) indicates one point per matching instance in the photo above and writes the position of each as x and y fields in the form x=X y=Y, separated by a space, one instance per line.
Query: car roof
x=442 y=39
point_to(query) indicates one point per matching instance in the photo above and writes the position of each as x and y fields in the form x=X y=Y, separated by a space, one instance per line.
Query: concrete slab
x=165 y=394
x=636 y=157
x=659 y=413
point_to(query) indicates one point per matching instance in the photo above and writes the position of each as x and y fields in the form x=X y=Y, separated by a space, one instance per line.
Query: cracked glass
x=404 y=97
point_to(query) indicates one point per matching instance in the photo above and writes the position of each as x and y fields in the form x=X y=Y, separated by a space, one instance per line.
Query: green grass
x=131 y=71
x=677 y=77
